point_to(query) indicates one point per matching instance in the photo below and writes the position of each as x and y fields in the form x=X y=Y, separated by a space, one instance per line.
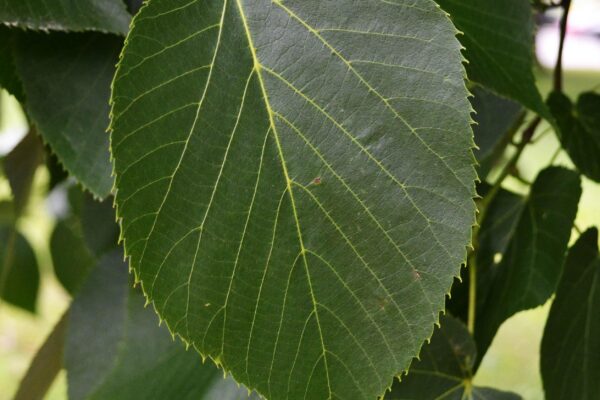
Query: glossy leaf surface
x=295 y=183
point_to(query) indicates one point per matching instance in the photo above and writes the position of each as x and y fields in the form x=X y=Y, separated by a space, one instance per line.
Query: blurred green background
x=510 y=364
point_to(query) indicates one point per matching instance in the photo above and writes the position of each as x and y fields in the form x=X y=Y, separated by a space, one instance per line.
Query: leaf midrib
x=288 y=181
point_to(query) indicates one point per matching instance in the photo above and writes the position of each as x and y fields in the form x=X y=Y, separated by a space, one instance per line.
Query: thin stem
x=558 y=71
x=555 y=155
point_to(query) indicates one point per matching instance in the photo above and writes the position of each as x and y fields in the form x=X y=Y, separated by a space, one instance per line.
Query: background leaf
x=295 y=183
x=19 y=275
x=444 y=371
x=498 y=37
x=115 y=349
x=20 y=166
x=569 y=355
x=495 y=122
x=45 y=366
x=81 y=238
x=579 y=130
x=66 y=15
x=71 y=258
x=9 y=79
x=497 y=229
x=532 y=264
x=75 y=72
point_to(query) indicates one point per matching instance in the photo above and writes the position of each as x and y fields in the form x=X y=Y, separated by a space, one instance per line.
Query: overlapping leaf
x=8 y=76
x=496 y=119
x=498 y=37
x=81 y=238
x=532 y=264
x=571 y=344
x=496 y=231
x=71 y=258
x=19 y=275
x=115 y=350
x=295 y=183
x=66 y=15
x=444 y=371
x=20 y=166
x=579 y=130
x=67 y=78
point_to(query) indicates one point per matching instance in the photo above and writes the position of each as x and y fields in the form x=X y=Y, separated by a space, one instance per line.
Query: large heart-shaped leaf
x=66 y=15
x=445 y=369
x=295 y=183
x=569 y=356
x=498 y=37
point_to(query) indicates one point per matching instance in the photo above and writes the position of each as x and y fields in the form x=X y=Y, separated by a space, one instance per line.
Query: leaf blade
x=532 y=264
x=500 y=58
x=572 y=314
x=66 y=15
x=278 y=204
x=74 y=122
x=129 y=356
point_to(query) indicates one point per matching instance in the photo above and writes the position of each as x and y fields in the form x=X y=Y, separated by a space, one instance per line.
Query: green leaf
x=498 y=37
x=67 y=83
x=569 y=356
x=20 y=166
x=532 y=264
x=98 y=221
x=495 y=233
x=444 y=371
x=496 y=119
x=115 y=349
x=295 y=183
x=19 y=275
x=66 y=15
x=9 y=79
x=79 y=240
x=71 y=258
x=579 y=130
x=45 y=366
x=55 y=170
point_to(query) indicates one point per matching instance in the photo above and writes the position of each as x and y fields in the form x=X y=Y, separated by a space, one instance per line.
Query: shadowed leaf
x=66 y=15
x=444 y=371
x=532 y=263
x=579 y=130
x=116 y=351
x=19 y=275
x=570 y=361
x=67 y=83
x=498 y=37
